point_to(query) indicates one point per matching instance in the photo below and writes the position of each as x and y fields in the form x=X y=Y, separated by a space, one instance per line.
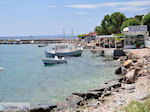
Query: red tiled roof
x=92 y=33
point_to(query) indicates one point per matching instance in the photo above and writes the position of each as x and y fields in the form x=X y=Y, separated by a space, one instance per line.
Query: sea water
x=25 y=78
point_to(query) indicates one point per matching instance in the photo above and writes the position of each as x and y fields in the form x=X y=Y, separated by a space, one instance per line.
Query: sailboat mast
x=72 y=32
x=64 y=32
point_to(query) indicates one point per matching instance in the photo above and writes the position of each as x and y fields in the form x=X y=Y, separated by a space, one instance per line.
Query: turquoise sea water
x=26 y=79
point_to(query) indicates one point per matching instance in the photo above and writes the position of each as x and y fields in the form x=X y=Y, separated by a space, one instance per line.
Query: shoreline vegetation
x=116 y=22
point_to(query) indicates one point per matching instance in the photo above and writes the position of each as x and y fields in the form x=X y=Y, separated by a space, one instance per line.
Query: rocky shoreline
x=133 y=84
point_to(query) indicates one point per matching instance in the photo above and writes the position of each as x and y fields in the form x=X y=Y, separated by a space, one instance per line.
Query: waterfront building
x=110 y=41
x=131 y=37
x=88 y=37
x=136 y=36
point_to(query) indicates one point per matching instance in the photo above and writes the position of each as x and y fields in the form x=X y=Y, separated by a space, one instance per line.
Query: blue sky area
x=48 y=17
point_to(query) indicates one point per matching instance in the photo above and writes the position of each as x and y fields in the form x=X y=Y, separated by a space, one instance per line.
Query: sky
x=49 y=17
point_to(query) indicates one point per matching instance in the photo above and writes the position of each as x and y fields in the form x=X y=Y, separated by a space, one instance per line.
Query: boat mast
x=64 y=32
x=72 y=32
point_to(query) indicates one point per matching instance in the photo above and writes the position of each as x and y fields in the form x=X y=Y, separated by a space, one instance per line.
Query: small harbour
x=25 y=78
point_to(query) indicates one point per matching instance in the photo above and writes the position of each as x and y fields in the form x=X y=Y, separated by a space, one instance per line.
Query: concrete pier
x=32 y=41
x=108 y=52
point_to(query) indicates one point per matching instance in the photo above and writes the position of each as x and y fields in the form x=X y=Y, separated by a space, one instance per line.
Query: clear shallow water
x=26 y=79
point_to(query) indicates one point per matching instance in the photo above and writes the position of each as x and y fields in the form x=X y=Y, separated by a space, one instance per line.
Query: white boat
x=64 y=52
x=42 y=45
x=1 y=68
x=55 y=60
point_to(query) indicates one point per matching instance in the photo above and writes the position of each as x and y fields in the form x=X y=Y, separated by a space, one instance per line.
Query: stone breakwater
x=133 y=84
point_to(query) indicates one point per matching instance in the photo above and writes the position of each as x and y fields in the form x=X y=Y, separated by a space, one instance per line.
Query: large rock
x=140 y=63
x=142 y=96
x=130 y=76
x=123 y=71
x=119 y=79
x=43 y=108
x=89 y=95
x=127 y=63
x=70 y=104
x=101 y=89
x=74 y=100
x=118 y=71
x=64 y=107
x=115 y=83
x=128 y=87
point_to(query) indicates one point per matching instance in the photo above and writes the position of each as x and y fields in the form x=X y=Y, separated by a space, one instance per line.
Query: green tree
x=98 y=30
x=130 y=22
x=139 y=17
x=146 y=21
x=117 y=19
x=111 y=24
x=105 y=25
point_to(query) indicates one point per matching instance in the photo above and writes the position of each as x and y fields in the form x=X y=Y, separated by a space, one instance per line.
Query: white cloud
x=80 y=13
x=51 y=6
x=83 y=6
x=121 y=6
x=132 y=9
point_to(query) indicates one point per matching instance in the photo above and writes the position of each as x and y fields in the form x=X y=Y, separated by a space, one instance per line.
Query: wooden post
x=104 y=42
x=129 y=39
x=115 y=42
x=124 y=41
x=109 y=41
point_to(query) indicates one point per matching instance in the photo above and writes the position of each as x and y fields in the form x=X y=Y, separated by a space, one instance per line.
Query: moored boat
x=42 y=45
x=65 y=53
x=56 y=60
x=1 y=68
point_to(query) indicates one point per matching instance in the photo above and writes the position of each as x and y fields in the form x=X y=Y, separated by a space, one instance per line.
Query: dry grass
x=135 y=106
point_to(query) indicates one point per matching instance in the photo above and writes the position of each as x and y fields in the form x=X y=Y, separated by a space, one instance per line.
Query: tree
x=130 y=22
x=117 y=19
x=111 y=24
x=139 y=17
x=146 y=21
x=98 y=30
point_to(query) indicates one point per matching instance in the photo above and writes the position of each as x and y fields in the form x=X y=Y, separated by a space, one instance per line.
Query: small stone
x=130 y=76
x=129 y=87
x=132 y=91
x=119 y=103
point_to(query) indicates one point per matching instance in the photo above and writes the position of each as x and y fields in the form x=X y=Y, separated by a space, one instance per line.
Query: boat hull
x=42 y=45
x=64 y=54
x=51 y=61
